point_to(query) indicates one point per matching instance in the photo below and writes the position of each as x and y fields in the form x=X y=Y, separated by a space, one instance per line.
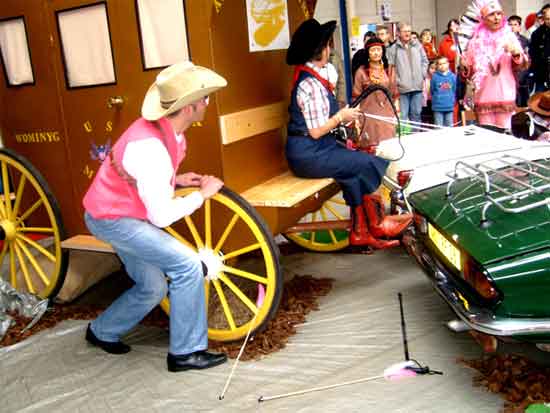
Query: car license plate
x=448 y=250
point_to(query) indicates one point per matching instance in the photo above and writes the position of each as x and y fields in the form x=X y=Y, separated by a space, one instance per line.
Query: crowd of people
x=504 y=64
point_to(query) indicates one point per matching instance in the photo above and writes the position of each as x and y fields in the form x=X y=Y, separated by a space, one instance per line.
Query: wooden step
x=86 y=243
x=285 y=190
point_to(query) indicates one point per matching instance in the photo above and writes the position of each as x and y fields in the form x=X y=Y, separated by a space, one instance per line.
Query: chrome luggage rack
x=519 y=179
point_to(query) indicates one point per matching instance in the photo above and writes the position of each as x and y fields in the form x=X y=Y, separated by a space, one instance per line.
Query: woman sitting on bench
x=312 y=150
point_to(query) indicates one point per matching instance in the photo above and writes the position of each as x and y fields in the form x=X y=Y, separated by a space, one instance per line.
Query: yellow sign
x=448 y=250
x=355 y=23
x=38 y=137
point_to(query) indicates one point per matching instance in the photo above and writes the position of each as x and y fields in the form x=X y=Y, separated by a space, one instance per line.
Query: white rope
x=423 y=127
x=330 y=386
x=222 y=395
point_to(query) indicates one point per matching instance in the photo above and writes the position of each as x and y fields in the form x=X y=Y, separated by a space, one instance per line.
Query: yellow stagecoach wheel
x=248 y=287
x=324 y=240
x=31 y=229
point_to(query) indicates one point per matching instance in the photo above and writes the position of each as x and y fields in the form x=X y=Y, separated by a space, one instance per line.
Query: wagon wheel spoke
x=38 y=247
x=245 y=274
x=333 y=211
x=337 y=201
x=312 y=233
x=19 y=196
x=238 y=292
x=331 y=232
x=194 y=232
x=207 y=294
x=37 y=230
x=207 y=224
x=24 y=270
x=6 y=186
x=33 y=262
x=241 y=251
x=30 y=211
x=225 y=305
x=226 y=233
x=177 y=236
x=13 y=269
x=3 y=213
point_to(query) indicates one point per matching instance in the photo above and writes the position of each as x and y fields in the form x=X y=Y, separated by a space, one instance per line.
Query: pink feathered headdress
x=487 y=7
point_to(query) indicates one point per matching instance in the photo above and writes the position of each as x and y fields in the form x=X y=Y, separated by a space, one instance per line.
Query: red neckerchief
x=303 y=68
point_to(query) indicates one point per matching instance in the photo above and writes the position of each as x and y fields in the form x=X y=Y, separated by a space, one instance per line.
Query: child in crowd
x=427 y=114
x=443 y=90
x=426 y=37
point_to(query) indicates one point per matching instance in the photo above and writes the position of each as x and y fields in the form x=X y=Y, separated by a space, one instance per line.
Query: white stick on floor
x=222 y=395
x=331 y=386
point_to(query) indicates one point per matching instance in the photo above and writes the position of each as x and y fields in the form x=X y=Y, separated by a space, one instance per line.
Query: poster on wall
x=267 y=25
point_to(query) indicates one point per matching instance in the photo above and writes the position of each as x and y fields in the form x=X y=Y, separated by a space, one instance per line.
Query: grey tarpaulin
x=25 y=304
x=355 y=334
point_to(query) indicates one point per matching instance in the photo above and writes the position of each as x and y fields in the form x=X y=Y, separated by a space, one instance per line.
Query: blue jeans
x=151 y=256
x=443 y=118
x=411 y=106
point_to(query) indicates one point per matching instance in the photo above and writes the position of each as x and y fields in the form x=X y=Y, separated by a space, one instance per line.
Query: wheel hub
x=8 y=230
x=213 y=261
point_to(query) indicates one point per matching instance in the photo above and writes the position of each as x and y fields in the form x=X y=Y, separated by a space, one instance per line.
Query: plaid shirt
x=312 y=96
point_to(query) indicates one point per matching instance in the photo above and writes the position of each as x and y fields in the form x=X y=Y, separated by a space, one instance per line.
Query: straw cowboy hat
x=308 y=39
x=540 y=103
x=179 y=85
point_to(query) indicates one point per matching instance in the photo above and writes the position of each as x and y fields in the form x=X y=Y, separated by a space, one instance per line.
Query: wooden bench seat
x=285 y=190
x=86 y=243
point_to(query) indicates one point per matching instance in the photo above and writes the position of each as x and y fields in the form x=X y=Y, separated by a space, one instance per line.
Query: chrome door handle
x=115 y=101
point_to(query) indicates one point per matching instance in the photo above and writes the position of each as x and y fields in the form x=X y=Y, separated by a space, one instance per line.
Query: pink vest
x=113 y=193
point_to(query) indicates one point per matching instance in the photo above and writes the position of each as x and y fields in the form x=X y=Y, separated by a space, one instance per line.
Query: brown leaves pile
x=51 y=317
x=300 y=296
x=520 y=381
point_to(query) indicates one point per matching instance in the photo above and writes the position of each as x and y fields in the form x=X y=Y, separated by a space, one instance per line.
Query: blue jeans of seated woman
x=151 y=256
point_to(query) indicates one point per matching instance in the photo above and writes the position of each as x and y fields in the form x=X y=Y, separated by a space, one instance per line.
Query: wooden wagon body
x=69 y=92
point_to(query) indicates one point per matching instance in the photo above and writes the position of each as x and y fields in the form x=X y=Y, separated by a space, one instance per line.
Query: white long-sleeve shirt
x=149 y=163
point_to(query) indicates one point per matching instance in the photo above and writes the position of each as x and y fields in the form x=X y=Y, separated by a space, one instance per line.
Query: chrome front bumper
x=477 y=318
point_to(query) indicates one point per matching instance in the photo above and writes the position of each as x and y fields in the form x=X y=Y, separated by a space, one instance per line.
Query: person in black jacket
x=522 y=77
x=539 y=52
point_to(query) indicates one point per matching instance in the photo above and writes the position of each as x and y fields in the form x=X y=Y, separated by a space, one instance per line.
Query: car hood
x=459 y=218
x=433 y=154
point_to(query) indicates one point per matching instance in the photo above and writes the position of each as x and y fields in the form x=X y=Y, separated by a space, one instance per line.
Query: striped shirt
x=312 y=96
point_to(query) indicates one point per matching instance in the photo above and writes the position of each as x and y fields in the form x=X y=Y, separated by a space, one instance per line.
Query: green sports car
x=483 y=239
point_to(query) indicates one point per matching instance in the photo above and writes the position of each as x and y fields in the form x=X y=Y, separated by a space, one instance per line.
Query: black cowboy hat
x=308 y=39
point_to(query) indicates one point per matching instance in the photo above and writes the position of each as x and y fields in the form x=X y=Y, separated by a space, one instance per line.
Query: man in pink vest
x=132 y=197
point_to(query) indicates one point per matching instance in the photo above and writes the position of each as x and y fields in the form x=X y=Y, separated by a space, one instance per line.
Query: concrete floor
x=356 y=334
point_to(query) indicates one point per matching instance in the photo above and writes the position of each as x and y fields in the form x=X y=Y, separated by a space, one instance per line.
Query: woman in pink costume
x=492 y=57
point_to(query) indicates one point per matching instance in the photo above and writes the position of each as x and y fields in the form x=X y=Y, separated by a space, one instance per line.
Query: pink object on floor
x=261 y=296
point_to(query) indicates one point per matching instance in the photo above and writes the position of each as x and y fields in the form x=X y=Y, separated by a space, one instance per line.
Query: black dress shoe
x=113 y=347
x=197 y=360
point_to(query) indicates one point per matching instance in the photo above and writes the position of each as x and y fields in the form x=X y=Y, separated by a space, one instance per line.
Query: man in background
x=522 y=77
x=407 y=57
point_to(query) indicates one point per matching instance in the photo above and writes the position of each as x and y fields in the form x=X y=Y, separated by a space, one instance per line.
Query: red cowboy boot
x=380 y=224
x=359 y=234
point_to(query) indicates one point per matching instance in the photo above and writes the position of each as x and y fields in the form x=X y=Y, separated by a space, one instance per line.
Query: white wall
x=420 y=13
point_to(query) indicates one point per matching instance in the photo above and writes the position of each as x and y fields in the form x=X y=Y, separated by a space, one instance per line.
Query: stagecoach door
x=108 y=53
